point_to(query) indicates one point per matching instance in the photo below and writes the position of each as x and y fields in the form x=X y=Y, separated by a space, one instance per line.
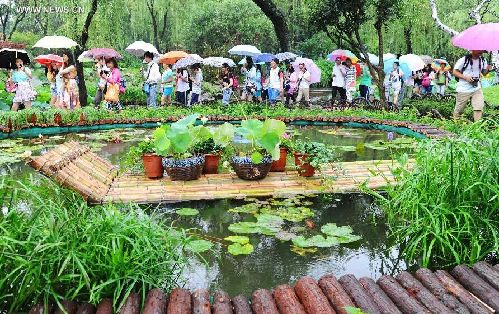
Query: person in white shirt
x=303 y=84
x=339 y=74
x=197 y=80
x=350 y=79
x=182 y=86
x=151 y=76
x=468 y=70
x=275 y=81
x=396 y=82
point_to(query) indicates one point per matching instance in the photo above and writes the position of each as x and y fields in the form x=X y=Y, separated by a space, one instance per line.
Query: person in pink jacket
x=114 y=77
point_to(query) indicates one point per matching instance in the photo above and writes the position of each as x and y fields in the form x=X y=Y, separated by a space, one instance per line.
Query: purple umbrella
x=315 y=72
x=478 y=37
x=106 y=53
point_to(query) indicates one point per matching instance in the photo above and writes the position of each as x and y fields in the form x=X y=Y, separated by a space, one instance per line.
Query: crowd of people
x=260 y=83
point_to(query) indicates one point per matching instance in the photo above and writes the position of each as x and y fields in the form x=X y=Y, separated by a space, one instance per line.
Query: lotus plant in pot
x=214 y=147
x=176 y=142
x=311 y=156
x=285 y=146
x=262 y=147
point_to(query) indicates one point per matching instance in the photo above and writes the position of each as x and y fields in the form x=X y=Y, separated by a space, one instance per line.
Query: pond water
x=272 y=262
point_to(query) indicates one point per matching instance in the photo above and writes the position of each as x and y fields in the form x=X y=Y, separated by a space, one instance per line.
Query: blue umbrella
x=388 y=67
x=264 y=57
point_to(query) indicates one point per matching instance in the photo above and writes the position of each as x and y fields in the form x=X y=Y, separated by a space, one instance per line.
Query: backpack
x=469 y=61
x=235 y=83
x=426 y=82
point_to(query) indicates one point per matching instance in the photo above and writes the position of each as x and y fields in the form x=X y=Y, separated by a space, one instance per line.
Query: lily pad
x=342 y=234
x=199 y=246
x=237 y=239
x=251 y=208
x=266 y=224
x=302 y=251
x=315 y=241
x=187 y=212
x=240 y=249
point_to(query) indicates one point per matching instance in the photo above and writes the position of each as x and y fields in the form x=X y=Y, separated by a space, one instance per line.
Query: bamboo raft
x=463 y=290
x=74 y=166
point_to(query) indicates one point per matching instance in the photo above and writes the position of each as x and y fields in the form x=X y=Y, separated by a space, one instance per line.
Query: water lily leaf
x=266 y=224
x=271 y=221
x=315 y=241
x=199 y=246
x=333 y=230
x=187 y=212
x=245 y=227
x=376 y=146
x=302 y=251
x=239 y=249
x=237 y=239
x=348 y=238
x=251 y=208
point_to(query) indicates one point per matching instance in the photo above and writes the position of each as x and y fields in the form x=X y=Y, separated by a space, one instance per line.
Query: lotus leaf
x=237 y=239
x=187 y=212
x=238 y=249
x=315 y=241
x=199 y=246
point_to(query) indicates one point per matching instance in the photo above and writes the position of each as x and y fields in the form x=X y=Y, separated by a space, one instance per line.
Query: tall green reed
x=53 y=246
x=446 y=210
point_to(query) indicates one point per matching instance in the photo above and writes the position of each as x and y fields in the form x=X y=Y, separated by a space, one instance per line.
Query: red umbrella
x=106 y=53
x=49 y=59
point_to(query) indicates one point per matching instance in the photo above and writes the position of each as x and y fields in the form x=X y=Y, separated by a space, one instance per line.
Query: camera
x=475 y=82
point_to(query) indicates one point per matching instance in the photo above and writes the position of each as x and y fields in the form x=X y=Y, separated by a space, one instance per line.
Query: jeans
x=99 y=96
x=341 y=90
x=181 y=97
x=152 y=96
x=226 y=93
x=194 y=98
x=273 y=94
x=364 y=92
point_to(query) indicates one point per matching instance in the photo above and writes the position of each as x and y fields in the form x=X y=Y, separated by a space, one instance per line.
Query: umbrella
x=437 y=62
x=188 y=61
x=84 y=58
x=49 y=59
x=55 y=42
x=479 y=37
x=414 y=62
x=243 y=61
x=245 y=50
x=138 y=49
x=173 y=56
x=372 y=58
x=217 y=62
x=106 y=53
x=315 y=72
x=388 y=67
x=388 y=56
x=264 y=57
x=8 y=57
x=343 y=55
x=427 y=59
x=286 y=56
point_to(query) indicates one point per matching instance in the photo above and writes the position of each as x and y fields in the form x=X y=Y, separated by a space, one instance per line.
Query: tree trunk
x=408 y=39
x=278 y=19
x=79 y=49
x=380 y=70
x=152 y=11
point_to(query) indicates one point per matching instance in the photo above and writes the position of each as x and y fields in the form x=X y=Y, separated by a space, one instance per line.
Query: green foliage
x=187 y=211
x=264 y=137
x=199 y=246
x=326 y=72
x=266 y=224
x=319 y=155
x=240 y=249
x=315 y=241
x=445 y=209
x=237 y=239
x=55 y=247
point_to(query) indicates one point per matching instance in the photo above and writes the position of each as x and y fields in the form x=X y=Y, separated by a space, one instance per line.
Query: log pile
x=464 y=290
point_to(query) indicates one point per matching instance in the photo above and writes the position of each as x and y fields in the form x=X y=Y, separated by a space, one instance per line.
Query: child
x=166 y=85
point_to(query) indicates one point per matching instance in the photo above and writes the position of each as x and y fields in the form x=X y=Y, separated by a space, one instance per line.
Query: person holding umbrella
x=151 y=76
x=468 y=70
x=303 y=84
x=25 y=93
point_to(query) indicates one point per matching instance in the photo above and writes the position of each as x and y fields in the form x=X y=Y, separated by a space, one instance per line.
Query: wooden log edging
x=423 y=292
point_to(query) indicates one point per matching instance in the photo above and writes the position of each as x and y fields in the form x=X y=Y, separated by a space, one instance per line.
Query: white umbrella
x=245 y=50
x=55 y=42
x=217 y=62
x=372 y=58
x=286 y=56
x=83 y=58
x=388 y=56
x=243 y=61
x=138 y=49
x=414 y=62
x=188 y=61
x=427 y=59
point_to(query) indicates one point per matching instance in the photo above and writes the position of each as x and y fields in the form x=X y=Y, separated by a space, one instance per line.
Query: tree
x=278 y=19
x=10 y=16
x=82 y=41
x=155 y=19
x=342 y=21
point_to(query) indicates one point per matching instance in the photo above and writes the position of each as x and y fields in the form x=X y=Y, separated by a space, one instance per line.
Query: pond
x=273 y=261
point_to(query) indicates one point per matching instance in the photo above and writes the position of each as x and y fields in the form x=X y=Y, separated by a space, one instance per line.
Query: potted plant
x=213 y=147
x=152 y=163
x=255 y=158
x=311 y=156
x=176 y=144
x=280 y=164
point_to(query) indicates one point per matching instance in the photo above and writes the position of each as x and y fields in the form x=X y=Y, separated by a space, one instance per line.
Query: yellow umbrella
x=172 y=57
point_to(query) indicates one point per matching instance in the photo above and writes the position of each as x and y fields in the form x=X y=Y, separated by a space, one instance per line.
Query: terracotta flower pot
x=304 y=167
x=211 y=162
x=280 y=164
x=153 y=166
x=58 y=119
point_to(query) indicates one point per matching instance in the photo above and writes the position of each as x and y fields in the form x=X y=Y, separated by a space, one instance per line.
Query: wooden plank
x=85 y=308
x=474 y=304
x=404 y=301
x=477 y=286
x=155 y=302
x=287 y=301
x=335 y=293
x=423 y=295
x=105 y=307
x=488 y=273
x=201 y=302
x=241 y=305
x=132 y=304
x=222 y=303
x=384 y=303
x=180 y=302
x=263 y=303
x=361 y=298
x=68 y=307
x=311 y=296
x=431 y=282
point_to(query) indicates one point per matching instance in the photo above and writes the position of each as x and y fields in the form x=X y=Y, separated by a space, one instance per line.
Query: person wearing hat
x=303 y=84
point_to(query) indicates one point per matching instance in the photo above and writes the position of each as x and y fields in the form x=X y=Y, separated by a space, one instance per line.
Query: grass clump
x=53 y=246
x=446 y=210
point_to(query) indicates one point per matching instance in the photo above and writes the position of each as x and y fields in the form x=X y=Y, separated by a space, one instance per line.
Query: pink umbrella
x=49 y=59
x=315 y=72
x=106 y=53
x=478 y=37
